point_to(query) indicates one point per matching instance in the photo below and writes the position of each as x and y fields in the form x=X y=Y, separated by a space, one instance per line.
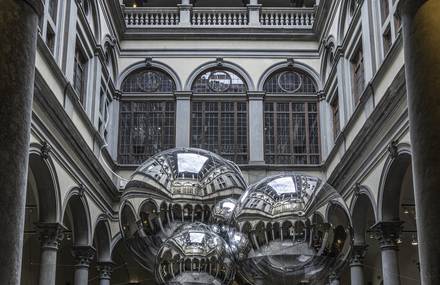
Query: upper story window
x=218 y=122
x=146 y=124
x=335 y=116
x=390 y=23
x=105 y=100
x=49 y=24
x=80 y=73
x=148 y=81
x=291 y=120
x=219 y=81
x=358 y=74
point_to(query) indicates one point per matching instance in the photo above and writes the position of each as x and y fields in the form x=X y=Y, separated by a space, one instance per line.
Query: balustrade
x=288 y=18
x=156 y=17
x=219 y=17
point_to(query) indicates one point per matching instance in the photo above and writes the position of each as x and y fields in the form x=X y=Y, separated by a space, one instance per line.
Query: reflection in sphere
x=299 y=229
x=173 y=188
x=221 y=217
x=195 y=255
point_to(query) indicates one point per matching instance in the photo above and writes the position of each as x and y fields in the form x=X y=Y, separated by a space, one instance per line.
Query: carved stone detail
x=51 y=234
x=46 y=149
x=105 y=270
x=387 y=233
x=392 y=149
x=83 y=255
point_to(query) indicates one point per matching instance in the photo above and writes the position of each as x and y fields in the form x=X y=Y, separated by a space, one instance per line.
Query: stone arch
x=102 y=239
x=45 y=181
x=220 y=64
x=76 y=210
x=110 y=55
x=149 y=64
x=347 y=10
x=363 y=213
x=290 y=64
x=328 y=57
x=390 y=185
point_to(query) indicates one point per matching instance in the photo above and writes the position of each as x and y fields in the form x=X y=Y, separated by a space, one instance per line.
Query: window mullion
x=291 y=138
x=307 y=131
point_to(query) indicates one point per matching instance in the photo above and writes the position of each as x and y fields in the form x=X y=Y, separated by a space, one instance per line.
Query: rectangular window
x=221 y=127
x=291 y=133
x=146 y=128
x=50 y=39
x=335 y=113
x=387 y=40
x=358 y=76
x=79 y=73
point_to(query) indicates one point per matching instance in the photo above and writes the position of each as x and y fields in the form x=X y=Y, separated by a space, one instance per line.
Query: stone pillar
x=185 y=13
x=256 y=127
x=357 y=265
x=51 y=234
x=387 y=233
x=18 y=38
x=105 y=272
x=83 y=256
x=183 y=118
x=422 y=66
x=254 y=13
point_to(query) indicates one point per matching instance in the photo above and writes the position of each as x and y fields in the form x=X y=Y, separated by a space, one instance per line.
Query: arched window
x=146 y=122
x=49 y=24
x=219 y=122
x=148 y=81
x=291 y=121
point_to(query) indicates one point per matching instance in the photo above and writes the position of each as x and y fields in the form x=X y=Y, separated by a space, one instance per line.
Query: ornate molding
x=392 y=149
x=45 y=149
x=357 y=255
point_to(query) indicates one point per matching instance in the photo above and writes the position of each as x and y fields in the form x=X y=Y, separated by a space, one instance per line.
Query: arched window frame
x=219 y=120
x=294 y=110
x=156 y=108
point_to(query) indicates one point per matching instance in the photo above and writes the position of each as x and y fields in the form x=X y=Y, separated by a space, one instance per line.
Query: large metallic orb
x=194 y=255
x=299 y=228
x=175 y=187
x=221 y=218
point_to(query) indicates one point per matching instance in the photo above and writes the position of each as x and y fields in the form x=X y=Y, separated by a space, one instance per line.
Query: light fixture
x=405 y=211
x=399 y=240
x=414 y=240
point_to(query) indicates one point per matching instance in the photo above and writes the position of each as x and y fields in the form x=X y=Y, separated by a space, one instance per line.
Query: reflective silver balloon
x=221 y=218
x=299 y=228
x=195 y=255
x=175 y=187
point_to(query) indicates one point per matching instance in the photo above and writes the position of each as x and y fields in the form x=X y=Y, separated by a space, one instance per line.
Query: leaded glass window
x=221 y=127
x=291 y=132
x=148 y=81
x=290 y=81
x=145 y=128
x=219 y=81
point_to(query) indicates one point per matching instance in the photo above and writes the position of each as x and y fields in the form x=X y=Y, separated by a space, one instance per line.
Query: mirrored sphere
x=221 y=218
x=195 y=255
x=299 y=229
x=172 y=188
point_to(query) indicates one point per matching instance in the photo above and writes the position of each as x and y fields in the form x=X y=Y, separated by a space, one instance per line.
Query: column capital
x=256 y=95
x=51 y=234
x=83 y=255
x=183 y=95
x=387 y=233
x=358 y=254
x=105 y=269
x=36 y=5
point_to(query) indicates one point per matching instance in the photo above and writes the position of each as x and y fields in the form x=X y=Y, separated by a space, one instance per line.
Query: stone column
x=421 y=39
x=105 y=272
x=357 y=265
x=18 y=38
x=387 y=233
x=183 y=118
x=83 y=256
x=51 y=234
x=256 y=127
